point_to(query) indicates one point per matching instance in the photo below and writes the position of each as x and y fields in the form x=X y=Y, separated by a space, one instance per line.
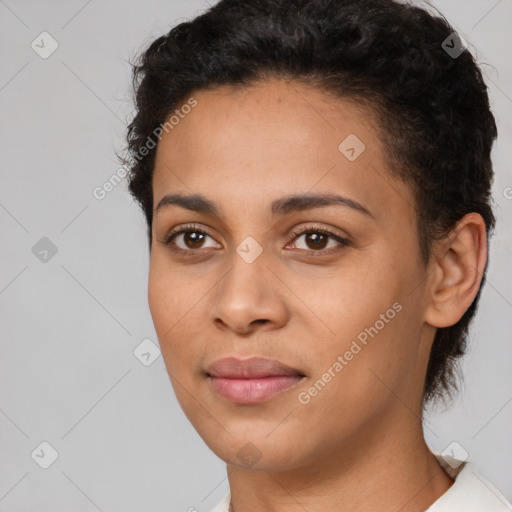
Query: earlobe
x=460 y=261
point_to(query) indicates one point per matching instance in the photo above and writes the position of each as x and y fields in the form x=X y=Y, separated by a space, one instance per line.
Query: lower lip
x=251 y=391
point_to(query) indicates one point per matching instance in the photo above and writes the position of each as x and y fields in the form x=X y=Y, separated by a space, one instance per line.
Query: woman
x=316 y=178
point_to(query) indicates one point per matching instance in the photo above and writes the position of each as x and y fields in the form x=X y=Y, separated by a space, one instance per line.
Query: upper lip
x=253 y=367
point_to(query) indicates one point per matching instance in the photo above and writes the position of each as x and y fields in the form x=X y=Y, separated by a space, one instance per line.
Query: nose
x=250 y=297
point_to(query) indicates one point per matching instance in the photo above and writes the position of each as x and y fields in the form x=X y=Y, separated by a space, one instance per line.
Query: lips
x=252 y=380
x=234 y=368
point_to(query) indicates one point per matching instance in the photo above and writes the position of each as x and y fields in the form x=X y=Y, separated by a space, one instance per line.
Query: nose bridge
x=247 y=274
x=246 y=292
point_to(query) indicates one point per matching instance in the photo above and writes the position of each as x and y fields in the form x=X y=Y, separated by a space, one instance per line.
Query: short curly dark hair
x=432 y=105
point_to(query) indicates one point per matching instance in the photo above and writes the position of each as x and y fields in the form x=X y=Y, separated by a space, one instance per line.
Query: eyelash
x=187 y=228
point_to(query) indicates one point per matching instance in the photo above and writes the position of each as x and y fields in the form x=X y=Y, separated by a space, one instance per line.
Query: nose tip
x=249 y=297
x=240 y=326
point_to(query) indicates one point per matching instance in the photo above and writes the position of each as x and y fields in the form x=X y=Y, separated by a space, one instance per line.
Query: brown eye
x=318 y=239
x=189 y=239
x=193 y=239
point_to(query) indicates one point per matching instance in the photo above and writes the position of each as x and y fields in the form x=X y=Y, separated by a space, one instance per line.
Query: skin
x=359 y=442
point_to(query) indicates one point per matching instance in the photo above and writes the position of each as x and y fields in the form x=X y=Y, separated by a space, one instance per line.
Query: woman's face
x=332 y=289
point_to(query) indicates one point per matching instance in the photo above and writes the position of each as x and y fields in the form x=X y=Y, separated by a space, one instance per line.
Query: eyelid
x=315 y=228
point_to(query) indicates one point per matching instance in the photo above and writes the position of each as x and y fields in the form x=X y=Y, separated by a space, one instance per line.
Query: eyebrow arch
x=279 y=207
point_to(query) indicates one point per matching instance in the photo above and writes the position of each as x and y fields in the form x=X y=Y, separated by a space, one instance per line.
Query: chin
x=250 y=449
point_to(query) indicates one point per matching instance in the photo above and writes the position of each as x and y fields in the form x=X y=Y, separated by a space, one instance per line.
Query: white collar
x=470 y=492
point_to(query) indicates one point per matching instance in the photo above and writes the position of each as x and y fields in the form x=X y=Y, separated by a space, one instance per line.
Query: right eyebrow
x=195 y=202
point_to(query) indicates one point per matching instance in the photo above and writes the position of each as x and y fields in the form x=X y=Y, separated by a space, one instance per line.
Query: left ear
x=460 y=261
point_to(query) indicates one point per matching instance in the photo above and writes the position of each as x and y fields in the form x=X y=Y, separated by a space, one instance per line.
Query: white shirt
x=470 y=492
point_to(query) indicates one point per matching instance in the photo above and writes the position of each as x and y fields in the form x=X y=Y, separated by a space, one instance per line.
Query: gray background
x=68 y=374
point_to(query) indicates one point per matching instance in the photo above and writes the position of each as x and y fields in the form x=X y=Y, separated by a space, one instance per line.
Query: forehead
x=275 y=113
x=251 y=145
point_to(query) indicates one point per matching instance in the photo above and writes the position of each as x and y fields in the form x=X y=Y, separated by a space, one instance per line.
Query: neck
x=390 y=471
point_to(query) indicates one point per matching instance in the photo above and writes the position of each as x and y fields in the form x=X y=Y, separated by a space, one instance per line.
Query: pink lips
x=251 y=380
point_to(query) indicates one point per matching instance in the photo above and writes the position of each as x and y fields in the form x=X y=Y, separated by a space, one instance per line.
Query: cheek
x=161 y=302
x=354 y=382
x=351 y=298
x=166 y=311
x=371 y=322
x=167 y=293
x=175 y=305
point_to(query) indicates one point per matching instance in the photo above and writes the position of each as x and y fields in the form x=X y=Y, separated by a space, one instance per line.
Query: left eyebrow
x=279 y=207
x=302 y=202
